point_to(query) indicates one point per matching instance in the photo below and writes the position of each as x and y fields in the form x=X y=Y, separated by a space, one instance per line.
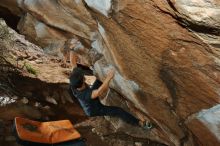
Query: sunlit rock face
x=165 y=53
x=206 y=124
x=203 y=17
x=201 y=12
x=44 y=22
x=101 y=6
x=71 y=17
x=51 y=39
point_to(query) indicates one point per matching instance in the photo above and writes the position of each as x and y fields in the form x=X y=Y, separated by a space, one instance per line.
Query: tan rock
x=205 y=126
x=167 y=90
x=51 y=39
x=167 y=72
x=201 y=17
x=202 y=12
x=72 y=15
x=12 y=5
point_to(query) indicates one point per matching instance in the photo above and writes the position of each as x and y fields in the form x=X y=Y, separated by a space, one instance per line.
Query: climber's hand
x=105 y=85
x=111 y=73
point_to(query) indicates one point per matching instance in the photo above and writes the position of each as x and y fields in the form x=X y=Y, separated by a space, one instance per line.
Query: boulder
x=206 y=125
x=51 y=39
x=165 y=53
x=201 y=12
x=67 y=15
x=201 y=17
x=142 y=43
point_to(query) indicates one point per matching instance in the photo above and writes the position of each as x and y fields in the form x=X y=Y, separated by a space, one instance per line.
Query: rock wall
x=166 y=54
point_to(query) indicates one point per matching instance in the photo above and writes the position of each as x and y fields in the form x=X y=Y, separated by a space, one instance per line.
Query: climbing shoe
x=147 y=125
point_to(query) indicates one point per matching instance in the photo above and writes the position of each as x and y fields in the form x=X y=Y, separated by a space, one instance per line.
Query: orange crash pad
x=45 y=132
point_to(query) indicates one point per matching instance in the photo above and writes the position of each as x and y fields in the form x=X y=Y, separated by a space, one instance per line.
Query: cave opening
x=10 y=19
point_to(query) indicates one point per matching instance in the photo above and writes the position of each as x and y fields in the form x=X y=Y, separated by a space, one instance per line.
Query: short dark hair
x=76 y=78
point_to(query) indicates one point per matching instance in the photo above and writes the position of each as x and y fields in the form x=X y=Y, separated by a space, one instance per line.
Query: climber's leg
x=127 y=117
x=118 y=112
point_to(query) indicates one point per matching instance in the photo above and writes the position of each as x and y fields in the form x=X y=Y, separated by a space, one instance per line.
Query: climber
x=88 y=98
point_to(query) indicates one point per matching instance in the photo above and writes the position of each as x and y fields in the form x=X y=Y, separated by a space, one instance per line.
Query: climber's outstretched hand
x=111 y=73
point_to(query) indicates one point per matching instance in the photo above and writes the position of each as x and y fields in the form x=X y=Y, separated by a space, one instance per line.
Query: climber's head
x=77 y=78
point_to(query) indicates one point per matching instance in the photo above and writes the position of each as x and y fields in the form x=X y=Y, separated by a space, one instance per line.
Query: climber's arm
x=73 y=59
x=104 y=87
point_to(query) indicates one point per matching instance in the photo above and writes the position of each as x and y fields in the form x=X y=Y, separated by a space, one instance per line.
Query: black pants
x=116 y=112
x=113 y=110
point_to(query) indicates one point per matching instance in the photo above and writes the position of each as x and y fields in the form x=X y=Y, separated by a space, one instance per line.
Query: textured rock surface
x=166 y=54
x=12 y=6
x=50 y=38
x=206 y=124
x=201 y=12
x=71 y=17
x=44 y=96
x=200 y=16
x=32 y=59
x=101 y=6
